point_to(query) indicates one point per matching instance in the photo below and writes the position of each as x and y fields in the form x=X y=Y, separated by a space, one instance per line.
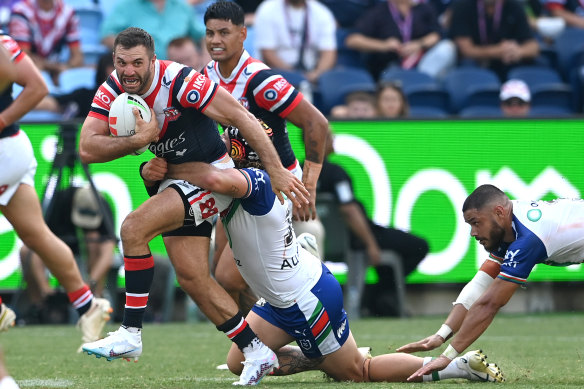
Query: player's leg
x=100 y=259
x=34 y=272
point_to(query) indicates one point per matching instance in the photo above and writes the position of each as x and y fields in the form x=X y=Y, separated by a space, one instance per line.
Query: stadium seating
x=90 y=19
x=481 y=111
x=347 y=57
x=407 y=78
x=76 y=78
x=422 y=112
x=428 y=96
x=559 y=95
x=549 y=111
x=462 y=83
x=294 y=77
x=350 y=79
x=567 y=46
x=535 y=75
x=41 y=116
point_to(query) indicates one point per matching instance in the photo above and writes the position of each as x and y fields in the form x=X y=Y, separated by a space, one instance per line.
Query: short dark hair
x=481 y=196
x=225 y=10
x=134 y=36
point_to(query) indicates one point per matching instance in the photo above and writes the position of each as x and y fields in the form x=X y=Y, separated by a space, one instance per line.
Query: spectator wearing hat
x=515 y=99
x=74 y=216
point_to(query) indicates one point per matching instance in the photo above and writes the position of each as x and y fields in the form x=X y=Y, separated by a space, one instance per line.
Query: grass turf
x=536 y=351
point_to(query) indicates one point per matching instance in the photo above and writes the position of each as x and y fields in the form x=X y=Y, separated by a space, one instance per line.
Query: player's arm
x=96 y=144
x=231 y=182
x=7 y=69
x=467 y=297
x=34 y=89
x=227 y=111
x=476 y=321
x=315 y=129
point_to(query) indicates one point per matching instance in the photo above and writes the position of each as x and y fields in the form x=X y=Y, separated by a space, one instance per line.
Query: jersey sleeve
x=193 y=89
x=261 y=197
x=104 y=97
x=16 y=53
x=520 y=258
x=273 y=92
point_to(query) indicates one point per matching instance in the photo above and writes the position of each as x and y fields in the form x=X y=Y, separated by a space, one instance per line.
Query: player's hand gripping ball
x=121 y=118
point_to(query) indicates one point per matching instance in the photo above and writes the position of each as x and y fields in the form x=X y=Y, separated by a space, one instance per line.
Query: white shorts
x=200 y=204
x=18 y=165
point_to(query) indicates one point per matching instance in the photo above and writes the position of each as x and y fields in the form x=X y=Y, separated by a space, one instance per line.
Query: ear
x=244 y=33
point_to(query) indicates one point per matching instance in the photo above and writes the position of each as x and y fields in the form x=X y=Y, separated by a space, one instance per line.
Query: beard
x=495 y=238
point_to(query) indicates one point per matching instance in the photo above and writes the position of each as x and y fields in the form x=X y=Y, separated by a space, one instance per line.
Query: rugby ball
x=121 y=118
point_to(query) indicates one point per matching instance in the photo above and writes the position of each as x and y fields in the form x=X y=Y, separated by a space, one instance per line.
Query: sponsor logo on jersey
x=165 y=82
x=193 y=97
x=199 y=81
x=305 y=344
x=168 y=146
x=342 y=328
x=270 y=95
x=246 y=72
x=103 y=97
x=534 y=214
x=280 y=84
x=171 y=113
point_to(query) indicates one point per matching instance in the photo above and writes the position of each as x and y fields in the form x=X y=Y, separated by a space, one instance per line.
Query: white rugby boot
x=118 y=344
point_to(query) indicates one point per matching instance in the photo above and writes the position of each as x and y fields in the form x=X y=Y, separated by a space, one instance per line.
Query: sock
x=0 y=299
x=450 y=371
x=81 y=299
x=139 y=275
x=240 y=333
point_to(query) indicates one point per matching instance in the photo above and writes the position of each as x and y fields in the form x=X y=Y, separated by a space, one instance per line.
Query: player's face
x=485 y=228
x=224 y=40
x=134 y=68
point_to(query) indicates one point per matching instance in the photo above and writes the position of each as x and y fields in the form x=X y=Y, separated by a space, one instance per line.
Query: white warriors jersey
x=260 y=233
x=549 y=232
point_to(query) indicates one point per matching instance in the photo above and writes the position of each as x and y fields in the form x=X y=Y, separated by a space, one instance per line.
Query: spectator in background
x=75 y=213
x=402 y=33
x=347 y=11
x=165 y=19
x=249 y=8
x=296 y=35
x=391 y=102
x=494 y=34
x=515 y=99
x=571 y=11
x=78 y=103
x=368 y=236
x=184 y=50
x=43 y=28
x=358 y=105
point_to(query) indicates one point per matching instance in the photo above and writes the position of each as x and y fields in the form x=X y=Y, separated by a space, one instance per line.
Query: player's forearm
x=97 y=148
x=230 y=182
x=477 y=320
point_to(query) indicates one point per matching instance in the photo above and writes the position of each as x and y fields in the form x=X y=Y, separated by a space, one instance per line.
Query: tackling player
x=518 y=235
x=185 y=105
x=20 y=204
x=301 y=299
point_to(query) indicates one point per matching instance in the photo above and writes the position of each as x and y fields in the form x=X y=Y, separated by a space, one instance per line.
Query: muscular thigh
x=189 y=255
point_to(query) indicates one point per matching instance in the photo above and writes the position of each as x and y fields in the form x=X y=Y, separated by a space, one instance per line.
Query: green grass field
x=541 y=351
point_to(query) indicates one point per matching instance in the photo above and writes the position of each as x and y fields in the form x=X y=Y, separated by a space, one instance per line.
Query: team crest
x=171 y=113
x=305 y=344
x=245 y=102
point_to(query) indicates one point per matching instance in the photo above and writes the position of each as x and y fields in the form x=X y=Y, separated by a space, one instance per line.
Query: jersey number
x=208 y=208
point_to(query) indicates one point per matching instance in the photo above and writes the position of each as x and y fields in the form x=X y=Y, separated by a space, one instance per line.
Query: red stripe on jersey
x=292 y=105
x=97 y=116
x=15 y=51
x=103 y=98
x=196 y=90
x=320 y=324
x=273 y=93
x=135 y=264
x=136 y=301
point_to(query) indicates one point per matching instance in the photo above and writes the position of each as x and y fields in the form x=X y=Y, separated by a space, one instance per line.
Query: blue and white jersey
x=260 y=233
x=549 y=232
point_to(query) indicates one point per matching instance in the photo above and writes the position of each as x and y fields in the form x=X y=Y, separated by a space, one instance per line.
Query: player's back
x=559 y=224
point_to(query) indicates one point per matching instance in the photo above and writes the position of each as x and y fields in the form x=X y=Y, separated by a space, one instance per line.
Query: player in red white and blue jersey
x=518 y=235
x=19 y=201
x=185 y=106
x=301 y=300
x=273 y=100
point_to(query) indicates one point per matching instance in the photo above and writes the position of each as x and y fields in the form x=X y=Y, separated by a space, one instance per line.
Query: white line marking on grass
x=56 y=383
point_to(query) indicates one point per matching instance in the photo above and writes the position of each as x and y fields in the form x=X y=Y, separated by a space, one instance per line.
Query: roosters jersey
x=16 y=54
x=259 y=229
x=266 y=94
x=549 y=232
x=178 y=95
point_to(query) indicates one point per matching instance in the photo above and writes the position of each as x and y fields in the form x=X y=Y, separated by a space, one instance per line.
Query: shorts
x=317 y=320
x=18 y=165
x=200 y=205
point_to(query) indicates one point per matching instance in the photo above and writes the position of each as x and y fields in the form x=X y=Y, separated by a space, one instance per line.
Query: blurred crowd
x=354 y=58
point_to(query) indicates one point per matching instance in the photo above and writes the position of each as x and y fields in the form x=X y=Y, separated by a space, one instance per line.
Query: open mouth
x=131 y=82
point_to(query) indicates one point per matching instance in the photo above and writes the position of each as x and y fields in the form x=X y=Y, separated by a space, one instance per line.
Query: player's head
x=241 y=152
x=225 y=31
x=488 y=211
x=134 y=59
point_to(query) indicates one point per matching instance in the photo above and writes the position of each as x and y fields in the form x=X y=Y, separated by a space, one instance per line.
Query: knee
x=231 y=282
x=130 y=231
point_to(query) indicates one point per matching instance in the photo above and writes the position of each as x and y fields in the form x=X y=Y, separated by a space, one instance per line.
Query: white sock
x=450 y=371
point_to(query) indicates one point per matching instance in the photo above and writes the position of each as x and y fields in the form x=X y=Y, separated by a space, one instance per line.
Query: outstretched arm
x=476 y=321
x=469 y=294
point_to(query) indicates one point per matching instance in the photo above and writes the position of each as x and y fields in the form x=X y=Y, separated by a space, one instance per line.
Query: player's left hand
x=308 y=211
x=436 y=365
x=429 y=343
x=286 y=183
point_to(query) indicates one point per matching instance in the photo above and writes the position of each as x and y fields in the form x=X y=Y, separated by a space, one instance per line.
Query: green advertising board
x=412 y=175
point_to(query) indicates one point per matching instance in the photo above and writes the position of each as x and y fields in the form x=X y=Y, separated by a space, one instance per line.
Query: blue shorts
x=318 y=321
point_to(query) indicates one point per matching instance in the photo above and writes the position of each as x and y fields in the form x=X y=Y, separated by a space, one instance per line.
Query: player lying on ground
x=518 y=235
x=302 y=301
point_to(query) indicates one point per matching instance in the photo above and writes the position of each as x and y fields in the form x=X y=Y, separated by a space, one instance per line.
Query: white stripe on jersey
x=184 y=86
x=283 y=100
x=237 y=79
